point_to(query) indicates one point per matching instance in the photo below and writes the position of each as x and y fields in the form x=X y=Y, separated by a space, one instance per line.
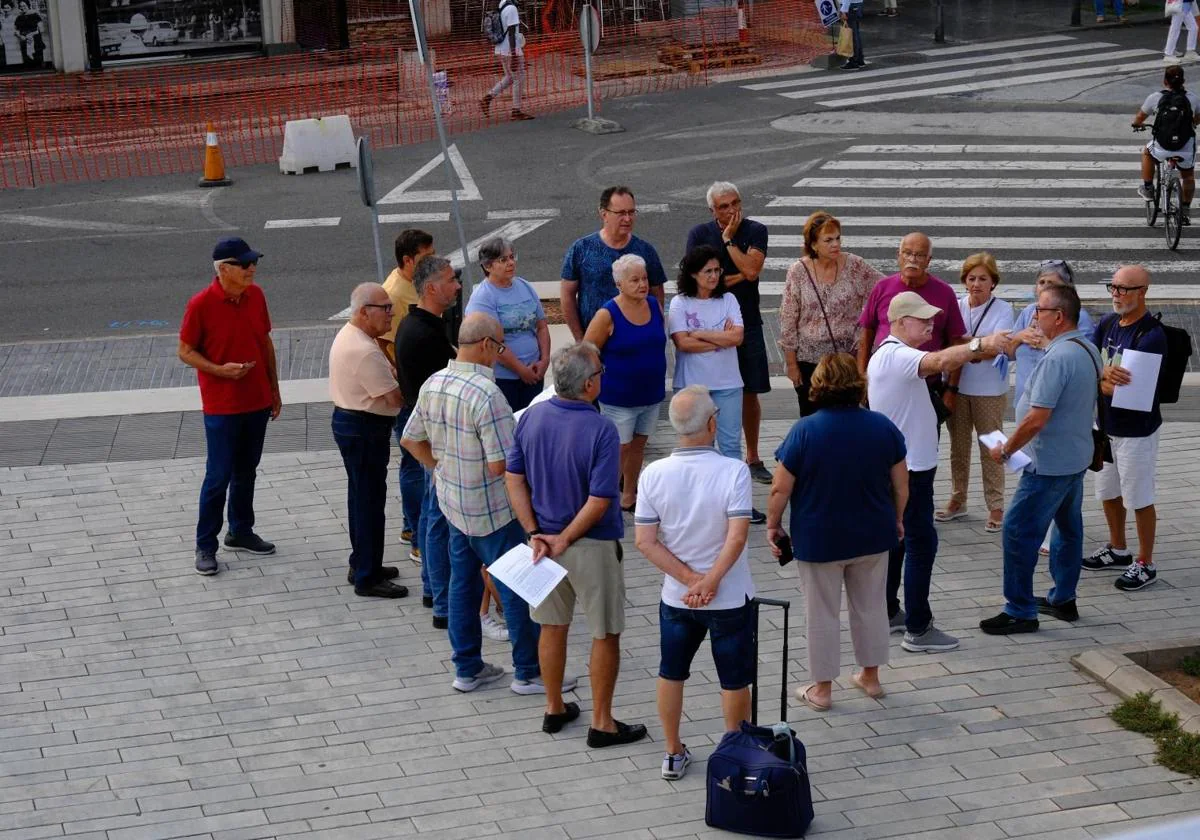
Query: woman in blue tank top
x=632 y=339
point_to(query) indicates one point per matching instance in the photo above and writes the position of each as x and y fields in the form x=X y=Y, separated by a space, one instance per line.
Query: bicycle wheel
x=1173 y=213
x=1152 y=204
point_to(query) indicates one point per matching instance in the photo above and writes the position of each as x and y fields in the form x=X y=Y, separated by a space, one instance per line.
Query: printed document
x=1138 y=395
x=1016 y=462
x=532 y=582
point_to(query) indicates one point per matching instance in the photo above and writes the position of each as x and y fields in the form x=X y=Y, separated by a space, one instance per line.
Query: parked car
x=160 y=32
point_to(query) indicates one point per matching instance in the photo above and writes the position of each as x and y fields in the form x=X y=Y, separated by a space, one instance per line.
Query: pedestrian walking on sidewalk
x=852 y=15
x=366 y=399
x=511 y=52
x=226 y=336
x=1185 y=19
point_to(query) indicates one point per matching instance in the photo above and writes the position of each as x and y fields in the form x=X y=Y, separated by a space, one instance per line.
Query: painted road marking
x=830 y=82
x=536 y=213
x=654 y=208
x=966 y=184
x=327 y=221
x=971 y=73
x=469 y=191
x=410 y=218
x=985 y=202
x=917 y=222
x=980 y=149
x=1027 y=165
x=27 y=220
x=1105 y=70
x=999 y=243
x=997 y=45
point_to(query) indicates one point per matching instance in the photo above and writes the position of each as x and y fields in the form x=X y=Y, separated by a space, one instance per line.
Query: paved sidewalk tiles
x=141 y=701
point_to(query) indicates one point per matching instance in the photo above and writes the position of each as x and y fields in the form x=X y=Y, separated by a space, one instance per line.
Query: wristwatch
x=976 y=345
x=727 y=242
x=535 y=532
x=1004 y=456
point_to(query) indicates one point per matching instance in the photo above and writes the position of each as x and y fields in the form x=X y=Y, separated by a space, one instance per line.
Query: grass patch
x=1142 y=713
x=1190 y=665
x=1179 y=751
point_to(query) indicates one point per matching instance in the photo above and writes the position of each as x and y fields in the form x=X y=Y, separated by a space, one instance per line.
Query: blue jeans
x=412 y=482
x=854 y=18
x=518 y=394
x=914 y=557
x=468 y=556
x=1038 y=500
x=730 y=633
x=1118 y=7
x=365 y=441
x=435 y=550
x=235 y=444
x=729 y=421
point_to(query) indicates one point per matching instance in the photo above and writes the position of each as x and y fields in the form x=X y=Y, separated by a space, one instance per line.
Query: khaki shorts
x=596 y=578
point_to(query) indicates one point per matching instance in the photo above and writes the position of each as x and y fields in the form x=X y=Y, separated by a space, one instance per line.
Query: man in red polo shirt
x=226 y=337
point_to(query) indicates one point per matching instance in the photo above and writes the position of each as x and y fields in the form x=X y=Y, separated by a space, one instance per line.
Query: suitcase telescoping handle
x=785 y=606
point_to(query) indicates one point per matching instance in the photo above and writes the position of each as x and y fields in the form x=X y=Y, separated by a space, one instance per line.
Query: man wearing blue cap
x=226 y=337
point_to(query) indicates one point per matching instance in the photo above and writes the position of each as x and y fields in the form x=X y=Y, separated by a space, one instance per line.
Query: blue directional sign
x=827 y=12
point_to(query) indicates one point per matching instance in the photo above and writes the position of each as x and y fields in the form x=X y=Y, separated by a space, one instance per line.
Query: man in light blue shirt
x=852 y=15
x=1055 y=431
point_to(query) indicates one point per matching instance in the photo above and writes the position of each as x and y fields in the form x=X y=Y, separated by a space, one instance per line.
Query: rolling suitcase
x=758 y=776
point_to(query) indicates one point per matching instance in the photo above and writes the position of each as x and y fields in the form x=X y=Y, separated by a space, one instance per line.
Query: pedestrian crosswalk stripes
x=1006 y=69
x=996 y=45
x=994 y=149
x=978 y=202
x=980 y=242
x=923 y=222
x=949 y=184
x=1080 y=164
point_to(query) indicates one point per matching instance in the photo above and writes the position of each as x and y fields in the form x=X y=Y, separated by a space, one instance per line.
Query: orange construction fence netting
x=150 y=119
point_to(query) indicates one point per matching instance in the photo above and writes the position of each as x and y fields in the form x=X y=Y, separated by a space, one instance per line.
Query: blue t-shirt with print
x=1065 y=382
x=518 y=310
x=589 y=262
x=838 y=454
x=1112 y=339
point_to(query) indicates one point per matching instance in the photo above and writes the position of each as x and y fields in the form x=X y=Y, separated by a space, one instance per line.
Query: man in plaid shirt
x=462 y=428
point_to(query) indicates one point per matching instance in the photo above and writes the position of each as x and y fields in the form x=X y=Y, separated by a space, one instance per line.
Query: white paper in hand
x=532 y=582
x=1138 y=395
x=1016 y=462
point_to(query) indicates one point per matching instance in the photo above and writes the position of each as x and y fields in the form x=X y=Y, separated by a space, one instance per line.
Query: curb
x=1122 y=669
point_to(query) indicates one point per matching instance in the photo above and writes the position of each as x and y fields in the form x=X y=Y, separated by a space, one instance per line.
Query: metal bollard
x=939 y=30
x=1076 y=13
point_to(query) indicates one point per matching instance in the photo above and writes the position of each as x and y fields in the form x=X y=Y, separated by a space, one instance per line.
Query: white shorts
x=1131 y=475
x=1188 y=153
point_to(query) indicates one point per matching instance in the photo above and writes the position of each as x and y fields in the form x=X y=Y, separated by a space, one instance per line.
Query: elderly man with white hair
x=366 y=400
x=741 y=244
x=631 y=334
x=692 y=520
x=562 y=474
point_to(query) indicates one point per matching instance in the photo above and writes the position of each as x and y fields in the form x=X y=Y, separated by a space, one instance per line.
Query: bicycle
x=1167 y=196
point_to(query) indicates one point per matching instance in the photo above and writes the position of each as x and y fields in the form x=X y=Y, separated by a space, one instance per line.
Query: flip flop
x=947 y=515
x=993 y=527
x=802 y=694
x=873 y=693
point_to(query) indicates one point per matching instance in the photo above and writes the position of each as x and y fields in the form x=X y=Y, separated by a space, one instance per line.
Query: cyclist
x=1174 y=135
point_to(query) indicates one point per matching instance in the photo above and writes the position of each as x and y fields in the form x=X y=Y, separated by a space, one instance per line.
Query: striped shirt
x=468 y=423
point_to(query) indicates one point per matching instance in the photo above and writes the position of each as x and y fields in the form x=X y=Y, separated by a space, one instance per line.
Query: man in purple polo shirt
x=562 y=478
x=916 y=251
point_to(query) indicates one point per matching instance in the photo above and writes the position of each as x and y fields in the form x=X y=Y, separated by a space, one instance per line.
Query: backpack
x=1179 y=351
x=1173 y=121
x=493 y=26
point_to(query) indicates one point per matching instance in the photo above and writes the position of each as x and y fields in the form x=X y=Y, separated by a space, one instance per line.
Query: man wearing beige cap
x=896 y=388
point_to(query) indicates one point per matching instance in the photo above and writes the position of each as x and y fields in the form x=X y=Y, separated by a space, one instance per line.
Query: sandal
x=874 y=693
x=949 y=514
x=994 y=527
x=802 y=695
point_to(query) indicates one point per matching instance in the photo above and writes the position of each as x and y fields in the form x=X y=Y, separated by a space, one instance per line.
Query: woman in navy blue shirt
x=843 y=469
x=632 y=338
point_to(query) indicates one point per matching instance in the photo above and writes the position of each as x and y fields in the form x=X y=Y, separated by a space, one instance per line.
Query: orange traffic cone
x=214 y=163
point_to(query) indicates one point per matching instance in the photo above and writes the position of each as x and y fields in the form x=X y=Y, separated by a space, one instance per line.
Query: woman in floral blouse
x=822 y=299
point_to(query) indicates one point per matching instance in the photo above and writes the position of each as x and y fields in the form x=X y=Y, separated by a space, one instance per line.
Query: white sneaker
x=675 y=765
x=488 y=673
x=492 y=628
x=1191 y=55
x=1170 y=59
x=414 y=554
x=537 y=686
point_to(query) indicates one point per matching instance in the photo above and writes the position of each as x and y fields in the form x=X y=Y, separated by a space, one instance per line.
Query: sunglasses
x=241 y=263
x=386 y=307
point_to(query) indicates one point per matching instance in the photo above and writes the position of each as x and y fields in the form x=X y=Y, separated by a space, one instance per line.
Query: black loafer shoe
x=1066 y=611
x=381 y=589
x=555 y=723
x=427 y=601
x=441 y=622
x=385 y=573
x=626 y=733
x=1004 y=624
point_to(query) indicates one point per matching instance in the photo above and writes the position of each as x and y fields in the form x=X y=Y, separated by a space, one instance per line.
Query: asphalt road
x=101 y=260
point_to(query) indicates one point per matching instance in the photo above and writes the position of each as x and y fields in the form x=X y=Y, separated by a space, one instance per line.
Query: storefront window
x=138 y=28
x=24 y=35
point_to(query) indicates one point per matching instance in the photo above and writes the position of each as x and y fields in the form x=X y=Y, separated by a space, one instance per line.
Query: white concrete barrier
x=323 y=144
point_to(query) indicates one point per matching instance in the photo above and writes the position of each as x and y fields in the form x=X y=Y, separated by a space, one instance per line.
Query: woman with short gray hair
x=632 y=338
x=513 y=302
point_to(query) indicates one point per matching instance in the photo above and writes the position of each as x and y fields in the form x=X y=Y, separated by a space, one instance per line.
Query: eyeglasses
x=716 y=270
x=1060 y=267
x=598 y=372
x=507 y=257
x=726 y=205
x=1121 y=291
x=1040 y=309
x=914 y=255
x=501 y=348
x=624 y=214
x=386 y=307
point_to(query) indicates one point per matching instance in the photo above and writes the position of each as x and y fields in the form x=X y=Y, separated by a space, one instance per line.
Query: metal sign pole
x=591 y=30
x=418 y=22
x=586 y=17
x=366 y=189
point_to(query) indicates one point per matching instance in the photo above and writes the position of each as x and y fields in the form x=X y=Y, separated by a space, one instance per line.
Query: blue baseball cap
x=235 y=249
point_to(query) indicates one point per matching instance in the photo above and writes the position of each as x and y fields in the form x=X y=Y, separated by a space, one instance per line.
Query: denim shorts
x=630 y=421
x=730 y=632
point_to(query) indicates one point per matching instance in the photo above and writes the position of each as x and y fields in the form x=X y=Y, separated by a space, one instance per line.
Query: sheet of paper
x=1138 y=395
x=532 y=582
x=1016 y=462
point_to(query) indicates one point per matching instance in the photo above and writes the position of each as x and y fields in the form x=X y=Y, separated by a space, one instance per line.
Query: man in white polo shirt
x=698 y=539
x=896 y=388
